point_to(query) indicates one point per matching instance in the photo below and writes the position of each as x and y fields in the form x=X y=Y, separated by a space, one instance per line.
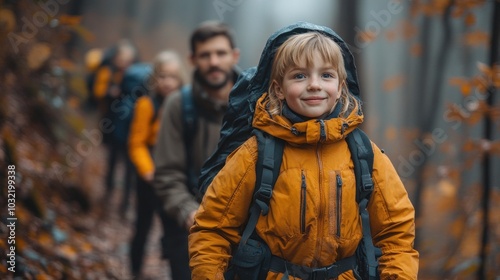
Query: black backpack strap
x=270 y=155
x=362 y=157
x=190 y=123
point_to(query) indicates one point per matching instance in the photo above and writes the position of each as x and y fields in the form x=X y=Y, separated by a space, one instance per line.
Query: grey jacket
x=170 y=179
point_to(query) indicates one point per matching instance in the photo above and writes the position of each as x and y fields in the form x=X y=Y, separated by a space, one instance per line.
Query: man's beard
x=215 y=86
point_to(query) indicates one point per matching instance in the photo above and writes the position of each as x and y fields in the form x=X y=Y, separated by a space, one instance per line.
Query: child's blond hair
x=304 y=46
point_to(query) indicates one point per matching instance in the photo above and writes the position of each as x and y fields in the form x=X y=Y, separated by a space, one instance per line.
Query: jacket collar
x=308 y=131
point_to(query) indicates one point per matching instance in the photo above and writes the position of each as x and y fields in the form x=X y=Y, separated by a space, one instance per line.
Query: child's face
x=310 y=91
x=167 y=79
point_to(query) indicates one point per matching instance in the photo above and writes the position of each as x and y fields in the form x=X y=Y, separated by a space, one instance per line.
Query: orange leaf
x=409 y=30
x=494 y=113
x=496 y=76
x=476 y=38
x=67 y=64
x=7 y=20
x=367 y=36
x=43 y=276
x=393 y=83
x=465 y=89
x=469 y=146
x=470 y=19
x=485 y=69
x=455 y=112
x=416 y=49
x=38 y=55
x=457 y=81
x=391 y=35
x=67 y=251
x=84 y=33
x=391 y=133
x=481 y=83
x=495 y=147
x=70 y=20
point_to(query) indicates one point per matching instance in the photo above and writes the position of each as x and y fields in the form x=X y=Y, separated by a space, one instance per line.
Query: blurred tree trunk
x=428 y=99
x=345 y=21
x=488 y=129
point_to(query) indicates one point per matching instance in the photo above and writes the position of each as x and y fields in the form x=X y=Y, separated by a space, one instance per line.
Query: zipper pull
x=322 y=131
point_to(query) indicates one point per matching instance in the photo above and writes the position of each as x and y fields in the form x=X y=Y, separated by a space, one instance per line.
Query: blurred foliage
x=42 y=91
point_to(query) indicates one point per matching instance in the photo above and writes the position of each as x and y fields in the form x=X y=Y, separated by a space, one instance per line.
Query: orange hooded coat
x=330 y=229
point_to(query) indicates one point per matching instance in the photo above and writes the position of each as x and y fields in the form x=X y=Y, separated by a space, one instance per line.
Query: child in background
x=313 y=219
x=166 y=78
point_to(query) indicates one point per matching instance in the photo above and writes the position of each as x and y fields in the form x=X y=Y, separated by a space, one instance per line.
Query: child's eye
x=299 y=76
x=328 y=75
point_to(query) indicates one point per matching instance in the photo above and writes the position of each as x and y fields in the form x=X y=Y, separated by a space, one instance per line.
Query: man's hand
x=190 y=220
x=148 y=177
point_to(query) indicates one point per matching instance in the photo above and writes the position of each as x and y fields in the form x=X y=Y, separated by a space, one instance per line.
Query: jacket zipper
x=319 y=240
x=339 y=204
x=303 y=204
x=322 y=131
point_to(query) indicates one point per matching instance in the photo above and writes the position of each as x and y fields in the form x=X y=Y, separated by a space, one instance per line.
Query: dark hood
x=260 y=80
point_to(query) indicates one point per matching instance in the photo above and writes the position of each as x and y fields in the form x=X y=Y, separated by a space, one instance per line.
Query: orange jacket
x=142 y=135
x=315 y=239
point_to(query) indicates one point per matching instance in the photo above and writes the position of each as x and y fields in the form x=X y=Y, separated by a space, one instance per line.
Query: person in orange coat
x=313 y=220
x=107 y=91
x=166 y=78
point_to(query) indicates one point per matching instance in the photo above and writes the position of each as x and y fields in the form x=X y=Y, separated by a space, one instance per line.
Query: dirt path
x=114 y=230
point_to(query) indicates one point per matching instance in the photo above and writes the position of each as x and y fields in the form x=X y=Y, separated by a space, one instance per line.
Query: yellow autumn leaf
x=7 y=20
x=416 y=49
x=45 y=239
x=43 y=276
x=67 y=251
x=38 y=55
x=70 y=20
x=476 y=38
x=393 y=83
x=470 y=19
x=391 y=133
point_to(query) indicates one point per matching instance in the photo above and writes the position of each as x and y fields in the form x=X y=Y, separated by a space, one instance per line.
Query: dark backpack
x=253 y=260
x=133 y=86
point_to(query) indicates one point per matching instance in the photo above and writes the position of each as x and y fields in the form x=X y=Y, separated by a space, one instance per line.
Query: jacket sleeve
x=102 y=81
x=169 y=154
x=222 y=213
x=140 y=129
x=392 y=221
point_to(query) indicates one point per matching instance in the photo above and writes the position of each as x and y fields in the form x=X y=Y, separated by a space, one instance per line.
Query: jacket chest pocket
x=291 y=209
x=342 y=207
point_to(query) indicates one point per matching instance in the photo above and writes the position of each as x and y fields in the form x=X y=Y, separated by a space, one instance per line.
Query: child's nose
x=314 y=84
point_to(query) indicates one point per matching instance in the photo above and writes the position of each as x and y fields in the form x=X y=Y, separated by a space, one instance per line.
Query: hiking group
x=265 y=174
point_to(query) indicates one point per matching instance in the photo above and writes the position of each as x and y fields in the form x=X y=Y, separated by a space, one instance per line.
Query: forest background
x=429 y=74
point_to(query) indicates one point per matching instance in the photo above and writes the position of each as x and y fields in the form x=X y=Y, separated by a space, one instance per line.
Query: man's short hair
x=208 y=30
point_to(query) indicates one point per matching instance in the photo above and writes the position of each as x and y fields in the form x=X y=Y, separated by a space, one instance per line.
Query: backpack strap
x=362 y=157
x=190 y=124
x=270 y=155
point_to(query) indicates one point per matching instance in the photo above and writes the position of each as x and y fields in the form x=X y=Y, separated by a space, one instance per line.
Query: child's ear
x=342 y=84
x=278 y=90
